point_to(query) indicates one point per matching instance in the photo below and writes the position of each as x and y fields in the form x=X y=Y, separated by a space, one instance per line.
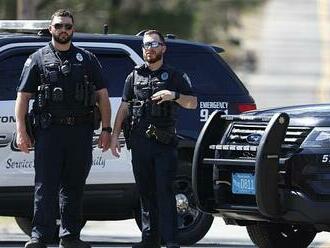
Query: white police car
x=110 y=192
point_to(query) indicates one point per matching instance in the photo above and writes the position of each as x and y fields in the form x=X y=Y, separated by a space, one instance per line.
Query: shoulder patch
x=185 y=76
x=164 y=75
x=79 y=57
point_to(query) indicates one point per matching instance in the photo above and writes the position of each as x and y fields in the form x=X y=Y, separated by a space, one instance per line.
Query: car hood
x=302 y=115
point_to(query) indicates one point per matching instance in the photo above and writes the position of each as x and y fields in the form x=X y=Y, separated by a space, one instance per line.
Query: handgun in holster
x=128 y=123
x=29 y=125
x=163 y=135
x=127 y=129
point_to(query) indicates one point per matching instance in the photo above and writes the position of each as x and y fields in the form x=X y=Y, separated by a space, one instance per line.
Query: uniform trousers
x=154 y=167
x=63 y=157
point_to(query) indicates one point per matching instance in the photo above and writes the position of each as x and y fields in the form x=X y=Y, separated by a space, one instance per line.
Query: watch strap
x=107 y=129
x=176 y=95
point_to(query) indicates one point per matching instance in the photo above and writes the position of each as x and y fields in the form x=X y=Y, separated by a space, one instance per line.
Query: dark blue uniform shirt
x=167 y=77
x=48 y=61
x=30 y=77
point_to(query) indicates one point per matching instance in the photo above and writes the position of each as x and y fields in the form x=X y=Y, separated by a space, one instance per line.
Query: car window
x=10 y=71
x=115 y=68
x=208 y=73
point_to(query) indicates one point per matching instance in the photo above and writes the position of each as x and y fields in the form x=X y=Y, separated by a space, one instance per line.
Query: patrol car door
x=16 y=168
x=116 y=64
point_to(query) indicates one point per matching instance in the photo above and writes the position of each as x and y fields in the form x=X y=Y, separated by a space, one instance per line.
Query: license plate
x=243 y=183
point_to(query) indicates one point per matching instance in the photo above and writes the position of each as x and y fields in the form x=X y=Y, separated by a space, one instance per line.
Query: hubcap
x=187 y=213
x=182 y=203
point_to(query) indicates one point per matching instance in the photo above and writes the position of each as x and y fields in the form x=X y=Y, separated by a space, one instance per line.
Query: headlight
x=319 y=137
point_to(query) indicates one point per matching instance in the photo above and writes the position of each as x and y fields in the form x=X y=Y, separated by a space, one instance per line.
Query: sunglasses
x=152 y=44
x=66 y=26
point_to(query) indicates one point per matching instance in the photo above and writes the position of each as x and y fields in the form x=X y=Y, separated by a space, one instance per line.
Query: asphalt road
x=125 y=233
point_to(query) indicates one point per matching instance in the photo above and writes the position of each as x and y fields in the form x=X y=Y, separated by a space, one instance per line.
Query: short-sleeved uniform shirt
x=48 y=61
x=170 y=78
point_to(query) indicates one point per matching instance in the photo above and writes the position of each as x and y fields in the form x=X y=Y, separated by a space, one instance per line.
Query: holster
x=127 y=129
x=29 y=124
x=163 y=135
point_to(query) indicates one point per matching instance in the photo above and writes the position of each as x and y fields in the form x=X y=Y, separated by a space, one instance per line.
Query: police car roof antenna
x=105 y=28
x=170 y=36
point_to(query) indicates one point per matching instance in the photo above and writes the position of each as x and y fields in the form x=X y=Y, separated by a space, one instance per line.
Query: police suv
x=267 y=170
x=110 y=193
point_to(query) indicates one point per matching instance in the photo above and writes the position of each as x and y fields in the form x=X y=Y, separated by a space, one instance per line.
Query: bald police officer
x=67 y=83
x=151 y=96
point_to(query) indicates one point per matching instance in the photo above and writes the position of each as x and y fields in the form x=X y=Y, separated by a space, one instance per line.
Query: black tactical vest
x=65 y=89
x=145 y=84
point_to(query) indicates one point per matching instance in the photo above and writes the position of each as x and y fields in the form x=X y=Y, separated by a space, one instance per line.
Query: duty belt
x=72 y=120
x=45 y=120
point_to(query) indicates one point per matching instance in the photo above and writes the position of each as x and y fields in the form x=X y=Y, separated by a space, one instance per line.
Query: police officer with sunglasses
x=151 y=96
x=70 y=101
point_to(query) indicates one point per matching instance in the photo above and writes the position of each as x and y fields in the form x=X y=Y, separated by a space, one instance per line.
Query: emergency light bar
x=24 y=24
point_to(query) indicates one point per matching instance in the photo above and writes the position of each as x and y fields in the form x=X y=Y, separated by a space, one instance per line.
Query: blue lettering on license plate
x=243 y=183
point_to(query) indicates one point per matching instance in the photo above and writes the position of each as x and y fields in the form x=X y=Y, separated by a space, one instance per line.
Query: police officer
x=151 y=95
x=66 y=82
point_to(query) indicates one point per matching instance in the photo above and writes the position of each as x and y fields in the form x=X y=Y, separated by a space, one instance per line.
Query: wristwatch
x=176 y=95
x=107 y=129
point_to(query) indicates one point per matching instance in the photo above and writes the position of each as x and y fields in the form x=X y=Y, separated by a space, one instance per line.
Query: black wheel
x=271 y=235
x=25 y=224
x=192 y=223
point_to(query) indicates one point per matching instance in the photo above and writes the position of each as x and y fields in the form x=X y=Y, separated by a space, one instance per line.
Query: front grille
x=249 y=134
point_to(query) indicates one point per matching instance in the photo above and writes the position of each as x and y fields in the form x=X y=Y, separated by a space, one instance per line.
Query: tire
x=271 y=235
x=25 y=224
x=192 y=223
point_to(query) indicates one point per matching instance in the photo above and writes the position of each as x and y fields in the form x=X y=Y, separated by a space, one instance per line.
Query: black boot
x=172 y=245
x=147 y=243
x=35 y=243
x=73 y=243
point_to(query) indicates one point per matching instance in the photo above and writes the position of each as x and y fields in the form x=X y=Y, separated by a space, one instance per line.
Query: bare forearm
x=120 y=117
x=186 y=101
x=105 y=108
x=21 y=108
